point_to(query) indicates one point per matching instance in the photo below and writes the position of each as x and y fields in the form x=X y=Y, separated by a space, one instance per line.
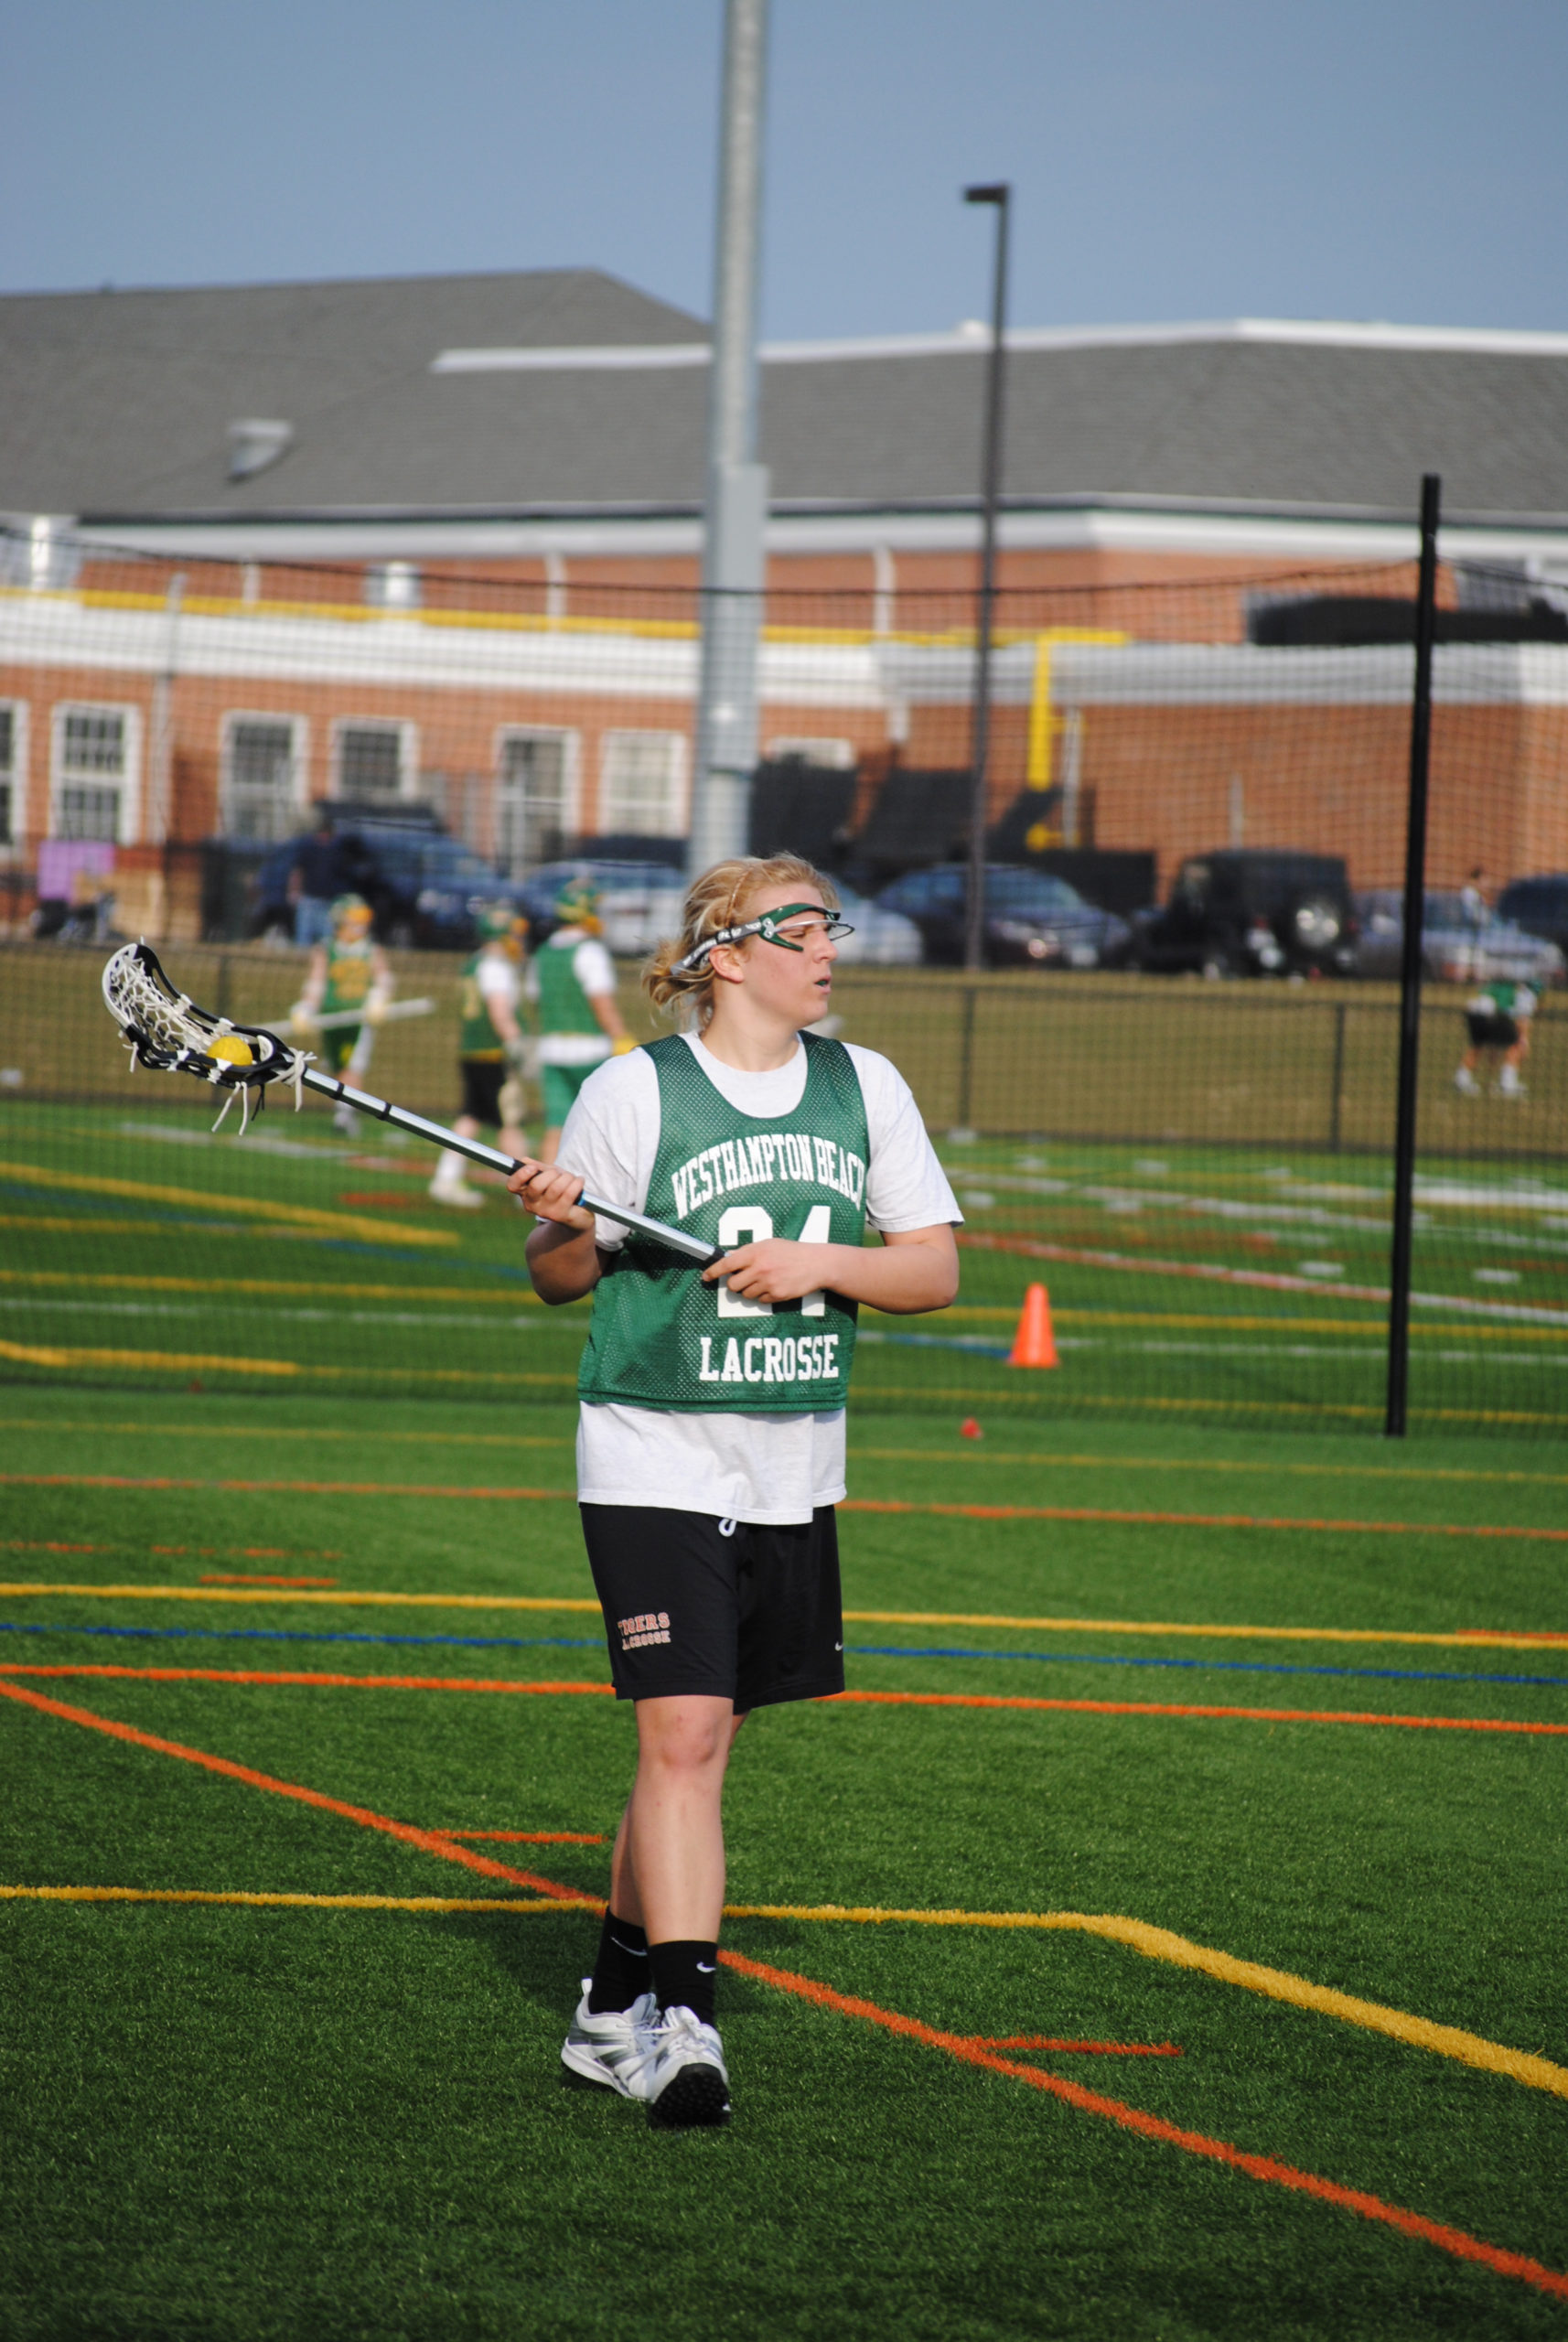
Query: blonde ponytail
x=716 y=900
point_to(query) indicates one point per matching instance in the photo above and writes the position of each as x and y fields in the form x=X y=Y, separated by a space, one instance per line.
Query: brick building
x=442 y=536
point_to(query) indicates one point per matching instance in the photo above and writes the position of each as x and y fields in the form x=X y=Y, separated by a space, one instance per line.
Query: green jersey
x=659 y=1336
x=348 y=975
x=564 y=1005
x=478 y=1036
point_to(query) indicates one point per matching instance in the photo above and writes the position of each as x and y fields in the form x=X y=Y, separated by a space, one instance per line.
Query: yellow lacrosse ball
x=231 y=1050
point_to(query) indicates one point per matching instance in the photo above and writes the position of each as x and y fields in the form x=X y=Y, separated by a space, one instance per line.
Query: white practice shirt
x=768 y=1469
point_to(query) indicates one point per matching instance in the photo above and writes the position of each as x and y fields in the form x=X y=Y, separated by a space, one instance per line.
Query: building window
x=533 y=797
x=830 y=756
x=94 y=774
x=261 y=761
x=372 y=760
x=642 y=784
x=10 y=776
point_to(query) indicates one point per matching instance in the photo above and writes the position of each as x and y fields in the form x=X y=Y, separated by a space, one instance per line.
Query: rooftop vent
x=254 y=444
x=393 y=585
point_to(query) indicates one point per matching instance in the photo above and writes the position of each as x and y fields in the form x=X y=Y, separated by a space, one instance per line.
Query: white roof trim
x=1301 y=332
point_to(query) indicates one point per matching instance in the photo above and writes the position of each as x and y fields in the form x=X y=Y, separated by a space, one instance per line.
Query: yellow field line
x=190 y=1362
x=1478 y=1639
x=296 y=1902
x=520 y=1296
x=1153 y=1943
x=257 y=1207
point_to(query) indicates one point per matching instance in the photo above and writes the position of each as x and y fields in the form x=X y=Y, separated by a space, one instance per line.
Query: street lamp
x=999 y=196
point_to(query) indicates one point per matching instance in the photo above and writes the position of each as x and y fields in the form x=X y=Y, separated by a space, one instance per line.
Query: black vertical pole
x=1411 y=964
x=1337 y=1081
x=975 y=923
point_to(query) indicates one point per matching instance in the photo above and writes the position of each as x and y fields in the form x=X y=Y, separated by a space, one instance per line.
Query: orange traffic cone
x=969 y=1429
x=1034 y=1343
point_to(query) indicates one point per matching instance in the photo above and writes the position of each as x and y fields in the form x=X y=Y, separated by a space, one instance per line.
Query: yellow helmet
x=351 y=910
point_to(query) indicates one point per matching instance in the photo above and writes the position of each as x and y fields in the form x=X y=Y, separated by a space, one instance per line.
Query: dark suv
x=1540 y=905
x=422 y=885
x=1245 y=912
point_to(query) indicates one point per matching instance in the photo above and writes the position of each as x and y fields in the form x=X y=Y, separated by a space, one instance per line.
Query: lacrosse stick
x=164 y=1030
x=388 y=1014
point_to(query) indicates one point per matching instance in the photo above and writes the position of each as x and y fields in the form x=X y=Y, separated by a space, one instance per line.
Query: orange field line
x=851 y=1504
x=532 y=1837
x=427 y=1841
x=1150 y=2126
x=1186 y=1708
x=1085 y=2048
x=834 y=1699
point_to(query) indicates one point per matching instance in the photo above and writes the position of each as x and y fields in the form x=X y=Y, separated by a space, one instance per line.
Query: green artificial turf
x=235 y=2122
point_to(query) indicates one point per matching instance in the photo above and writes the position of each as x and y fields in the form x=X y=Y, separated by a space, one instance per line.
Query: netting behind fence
x=1170 y=1099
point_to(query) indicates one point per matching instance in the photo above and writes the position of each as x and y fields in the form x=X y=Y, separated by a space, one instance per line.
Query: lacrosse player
x=492 y=1048
x=347 y=972
x=711 y=1441
x=573 y=979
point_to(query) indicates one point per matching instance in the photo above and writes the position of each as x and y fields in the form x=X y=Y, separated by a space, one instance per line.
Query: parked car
x=1461 y=943
x=1032 y=921
x=422 y=885
x=882 y=938
x=1246 y=912
x=1540 y=905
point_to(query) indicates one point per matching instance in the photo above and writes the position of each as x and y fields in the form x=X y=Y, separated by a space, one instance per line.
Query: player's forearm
x=609 y=1018
x=903 y=1279
x=562 y=1262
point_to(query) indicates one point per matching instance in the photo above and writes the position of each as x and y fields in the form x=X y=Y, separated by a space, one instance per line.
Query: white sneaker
x=457 y=1193
x=345 y=1119
x=682 y=2076
x=609 y=2047
x=1465 y=1083
x=1514 y=1089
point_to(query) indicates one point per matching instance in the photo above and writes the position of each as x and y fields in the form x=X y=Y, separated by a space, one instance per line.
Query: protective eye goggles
x=804 y=919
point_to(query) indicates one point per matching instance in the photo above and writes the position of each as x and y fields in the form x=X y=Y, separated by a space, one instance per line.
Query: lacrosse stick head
x=164 y=1030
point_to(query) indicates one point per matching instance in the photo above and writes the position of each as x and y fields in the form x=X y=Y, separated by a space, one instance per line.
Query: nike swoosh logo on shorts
x=704 y=1968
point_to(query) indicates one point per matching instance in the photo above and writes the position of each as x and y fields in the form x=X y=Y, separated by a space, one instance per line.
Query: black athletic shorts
x=483 y=1079
x=1490 y=1031
x=696 y=1605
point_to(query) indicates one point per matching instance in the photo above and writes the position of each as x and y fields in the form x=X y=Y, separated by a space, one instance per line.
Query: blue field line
x=853 y=1650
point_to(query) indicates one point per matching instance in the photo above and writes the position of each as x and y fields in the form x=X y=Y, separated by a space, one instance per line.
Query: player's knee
x=678 y=1736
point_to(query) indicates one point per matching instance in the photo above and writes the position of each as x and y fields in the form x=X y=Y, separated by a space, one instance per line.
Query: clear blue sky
x=1402 y=159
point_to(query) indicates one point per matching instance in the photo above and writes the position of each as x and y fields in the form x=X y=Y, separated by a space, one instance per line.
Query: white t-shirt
x=769 y=1469
x=497 y=978
x=594 y=971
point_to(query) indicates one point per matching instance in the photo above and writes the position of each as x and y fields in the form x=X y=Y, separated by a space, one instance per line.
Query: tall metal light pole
x=1000 y=195
x=736 y=504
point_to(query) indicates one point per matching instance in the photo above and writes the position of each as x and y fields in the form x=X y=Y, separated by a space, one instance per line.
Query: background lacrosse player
x=347 y=972
x=573 y=981
x=491 y=1049
x=711 y=1444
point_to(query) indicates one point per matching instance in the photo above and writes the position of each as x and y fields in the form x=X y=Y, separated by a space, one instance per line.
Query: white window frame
x=822 y=753
x=570 y=744
x=129 y=827
x=299 y=756
x=678 y=778
x=407 y=749
x=20 y=710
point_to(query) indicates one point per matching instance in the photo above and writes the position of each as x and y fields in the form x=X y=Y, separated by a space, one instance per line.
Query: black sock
x=684 y=1975
x=620 y=1971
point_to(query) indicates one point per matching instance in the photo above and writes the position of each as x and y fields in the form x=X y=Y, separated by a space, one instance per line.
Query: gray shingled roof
x=117 y=405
